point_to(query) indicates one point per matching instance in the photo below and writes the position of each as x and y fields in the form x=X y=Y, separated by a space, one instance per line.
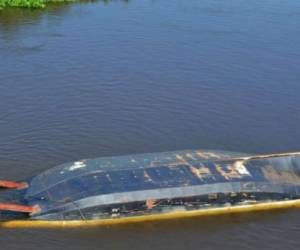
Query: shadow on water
x=217 y=232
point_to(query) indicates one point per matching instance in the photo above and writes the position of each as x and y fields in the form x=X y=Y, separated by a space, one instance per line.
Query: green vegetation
x=22 y=3
x=29 y=3
x=39 y=3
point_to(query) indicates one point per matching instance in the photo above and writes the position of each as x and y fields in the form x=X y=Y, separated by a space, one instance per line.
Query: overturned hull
x=156 y=186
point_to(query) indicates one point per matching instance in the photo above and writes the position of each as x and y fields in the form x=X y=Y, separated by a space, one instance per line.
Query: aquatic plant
x=22 y=3
x=41 y=3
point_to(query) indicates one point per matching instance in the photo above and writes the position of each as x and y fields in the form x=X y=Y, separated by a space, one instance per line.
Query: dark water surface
x=93 y=79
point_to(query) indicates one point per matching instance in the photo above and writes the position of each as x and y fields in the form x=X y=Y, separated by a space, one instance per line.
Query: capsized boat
x=154 y=186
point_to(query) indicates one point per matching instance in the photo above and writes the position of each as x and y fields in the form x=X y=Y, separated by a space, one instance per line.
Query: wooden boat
x=154 y=186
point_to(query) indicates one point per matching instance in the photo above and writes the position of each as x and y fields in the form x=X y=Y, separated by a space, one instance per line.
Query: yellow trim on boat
x=153 y=217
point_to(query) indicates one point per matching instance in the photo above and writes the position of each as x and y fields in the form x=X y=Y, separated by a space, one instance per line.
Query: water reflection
x=13 y=22
x=11 y=19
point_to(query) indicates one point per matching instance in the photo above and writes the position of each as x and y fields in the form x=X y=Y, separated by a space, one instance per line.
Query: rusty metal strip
x=13 y=185
x=19 y=208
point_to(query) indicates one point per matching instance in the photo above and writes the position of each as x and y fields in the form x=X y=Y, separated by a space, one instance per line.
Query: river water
x=93 y=79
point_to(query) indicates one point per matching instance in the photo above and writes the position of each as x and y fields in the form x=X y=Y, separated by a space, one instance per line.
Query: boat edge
x=154 y=217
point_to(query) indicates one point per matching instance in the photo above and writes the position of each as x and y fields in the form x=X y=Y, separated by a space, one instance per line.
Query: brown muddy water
x=95 y=79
